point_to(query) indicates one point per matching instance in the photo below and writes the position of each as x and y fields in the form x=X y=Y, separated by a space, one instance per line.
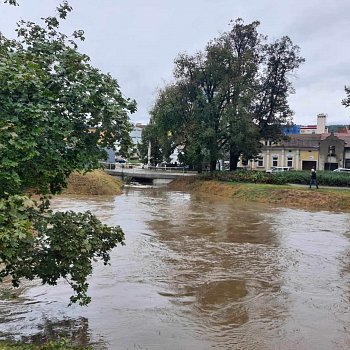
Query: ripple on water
x=202 y=273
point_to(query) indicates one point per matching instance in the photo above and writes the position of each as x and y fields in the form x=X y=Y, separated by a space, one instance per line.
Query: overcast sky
x=137 y=41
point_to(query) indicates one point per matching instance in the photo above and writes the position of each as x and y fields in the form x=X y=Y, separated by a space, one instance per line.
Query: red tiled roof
x=310 y=140
x=300 y=141
x=345 y=137
x=309 y=127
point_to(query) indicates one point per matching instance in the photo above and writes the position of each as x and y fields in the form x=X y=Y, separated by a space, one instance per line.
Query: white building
x=318 y=129
x=136 y=133
x=136 y=137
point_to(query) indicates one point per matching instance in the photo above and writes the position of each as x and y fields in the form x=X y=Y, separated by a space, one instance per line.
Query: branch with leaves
x=57 y=115
x=346 y=101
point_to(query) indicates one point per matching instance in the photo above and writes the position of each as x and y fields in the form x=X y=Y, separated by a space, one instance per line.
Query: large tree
x=225 y=98
x=57 y=114
x=244 y=45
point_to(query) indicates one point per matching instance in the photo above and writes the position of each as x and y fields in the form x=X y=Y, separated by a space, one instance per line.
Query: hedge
x=325 y=178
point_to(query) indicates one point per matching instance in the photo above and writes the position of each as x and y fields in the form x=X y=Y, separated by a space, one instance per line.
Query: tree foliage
x=228 y=96
x=346 y=101
x=150 y=137
x=57 y=113
x=11 y=2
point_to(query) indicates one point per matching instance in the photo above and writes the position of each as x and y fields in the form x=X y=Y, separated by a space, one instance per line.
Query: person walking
x=313 y=178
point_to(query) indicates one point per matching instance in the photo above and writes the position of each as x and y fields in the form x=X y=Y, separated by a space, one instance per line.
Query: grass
x=7 y=294
x=284 y=195
x=95 y=182
x=256 y=192
x=61 y=344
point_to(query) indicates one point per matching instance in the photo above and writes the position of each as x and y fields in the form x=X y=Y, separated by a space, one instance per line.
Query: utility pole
x=149 y=154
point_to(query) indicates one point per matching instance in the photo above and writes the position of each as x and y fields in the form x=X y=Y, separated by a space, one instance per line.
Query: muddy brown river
x=200 y=273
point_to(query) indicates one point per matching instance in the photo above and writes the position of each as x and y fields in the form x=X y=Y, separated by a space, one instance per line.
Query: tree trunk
x=199 y=161
x=234 y=157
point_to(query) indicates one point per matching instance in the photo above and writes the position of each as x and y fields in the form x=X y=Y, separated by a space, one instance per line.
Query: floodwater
x=201 y=273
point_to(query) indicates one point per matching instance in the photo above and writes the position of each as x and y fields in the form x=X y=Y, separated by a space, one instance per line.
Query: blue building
x=291 y=129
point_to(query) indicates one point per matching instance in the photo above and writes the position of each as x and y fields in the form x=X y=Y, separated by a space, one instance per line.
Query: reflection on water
x=202 y=273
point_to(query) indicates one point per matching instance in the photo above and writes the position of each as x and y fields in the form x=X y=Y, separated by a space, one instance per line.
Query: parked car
x=279 y=169
x=342 y=170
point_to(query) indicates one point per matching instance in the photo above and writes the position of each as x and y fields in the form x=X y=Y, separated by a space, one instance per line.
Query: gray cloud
x=137 y=41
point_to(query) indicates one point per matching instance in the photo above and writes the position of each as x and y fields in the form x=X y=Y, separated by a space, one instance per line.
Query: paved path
x=320 y=187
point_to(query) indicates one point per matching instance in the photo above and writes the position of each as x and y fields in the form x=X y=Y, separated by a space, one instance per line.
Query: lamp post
x=149 y=154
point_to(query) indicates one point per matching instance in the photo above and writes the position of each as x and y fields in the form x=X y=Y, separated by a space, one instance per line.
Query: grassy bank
x=56 y=345
x=93 y=183
x=324 y=178
x=284 y=195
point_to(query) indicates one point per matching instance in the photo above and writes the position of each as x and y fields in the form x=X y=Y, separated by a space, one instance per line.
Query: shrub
x=325 y=178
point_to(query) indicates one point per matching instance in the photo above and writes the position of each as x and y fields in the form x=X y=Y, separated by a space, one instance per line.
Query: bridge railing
x=167 y=168
x=115 y=166
x=107 y=165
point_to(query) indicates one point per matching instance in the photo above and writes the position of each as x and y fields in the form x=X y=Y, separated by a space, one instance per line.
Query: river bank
x=284 y=195
x=335 y=199
x=96 y=182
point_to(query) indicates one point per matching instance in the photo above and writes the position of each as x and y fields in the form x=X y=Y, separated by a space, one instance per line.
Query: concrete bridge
x=153 y=175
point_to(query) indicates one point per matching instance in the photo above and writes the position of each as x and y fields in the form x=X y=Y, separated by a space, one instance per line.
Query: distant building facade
x=319 y=128
x=304 y=152
x=136 y=137
x=136 y=133
x=313 y=147
x=291 y=129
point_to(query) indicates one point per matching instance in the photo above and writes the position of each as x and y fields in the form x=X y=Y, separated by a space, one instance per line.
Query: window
x=290 y=161
x=260 y=161
x=331 y=151
x=274 y=161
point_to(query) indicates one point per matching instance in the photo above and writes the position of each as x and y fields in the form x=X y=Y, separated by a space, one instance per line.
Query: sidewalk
x=320 y=187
